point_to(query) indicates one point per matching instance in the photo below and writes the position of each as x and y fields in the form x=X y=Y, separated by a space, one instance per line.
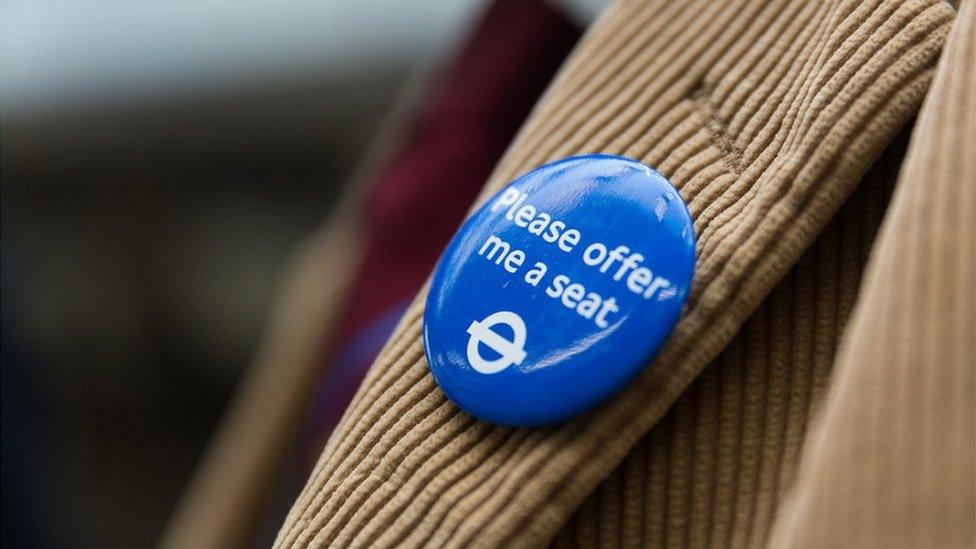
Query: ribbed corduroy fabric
x=765 y=115
x=713 y=470
x=891 y=462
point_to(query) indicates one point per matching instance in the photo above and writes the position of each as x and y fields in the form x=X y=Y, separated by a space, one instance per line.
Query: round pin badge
x=558 y=290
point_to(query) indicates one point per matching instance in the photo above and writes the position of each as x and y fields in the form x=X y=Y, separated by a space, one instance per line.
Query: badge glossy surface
x=558 y=290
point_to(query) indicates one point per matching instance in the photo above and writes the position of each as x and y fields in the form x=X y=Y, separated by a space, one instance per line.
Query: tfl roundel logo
x=509 y=352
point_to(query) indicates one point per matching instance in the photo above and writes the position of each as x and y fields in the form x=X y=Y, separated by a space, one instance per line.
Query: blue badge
x=558 y=290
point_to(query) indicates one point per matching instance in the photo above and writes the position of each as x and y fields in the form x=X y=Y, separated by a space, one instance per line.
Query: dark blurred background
x=160 y=158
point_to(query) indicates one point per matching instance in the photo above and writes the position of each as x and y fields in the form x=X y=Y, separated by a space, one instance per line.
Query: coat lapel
x=765 y=116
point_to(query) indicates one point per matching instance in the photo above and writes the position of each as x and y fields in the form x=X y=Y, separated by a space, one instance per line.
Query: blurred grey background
x=159 y=160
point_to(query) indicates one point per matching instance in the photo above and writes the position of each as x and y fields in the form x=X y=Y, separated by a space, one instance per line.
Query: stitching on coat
x=732 y=155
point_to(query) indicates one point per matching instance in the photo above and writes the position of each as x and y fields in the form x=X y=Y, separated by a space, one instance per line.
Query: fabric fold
x=890 y=461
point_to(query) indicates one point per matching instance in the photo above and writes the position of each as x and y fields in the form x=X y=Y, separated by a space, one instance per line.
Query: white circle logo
x=512 y=352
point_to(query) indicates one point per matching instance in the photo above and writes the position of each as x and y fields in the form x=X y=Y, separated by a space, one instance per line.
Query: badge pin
x=559 y=290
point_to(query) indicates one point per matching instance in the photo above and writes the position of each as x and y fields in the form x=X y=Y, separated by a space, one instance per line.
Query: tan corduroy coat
x=820 y=390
